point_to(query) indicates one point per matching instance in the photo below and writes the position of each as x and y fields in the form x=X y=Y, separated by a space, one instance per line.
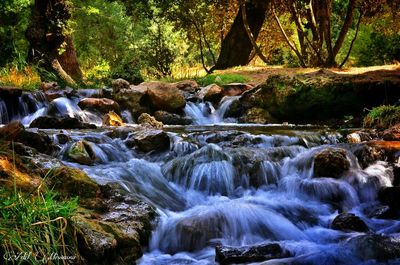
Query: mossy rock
x=81 y=152
x=71 y=182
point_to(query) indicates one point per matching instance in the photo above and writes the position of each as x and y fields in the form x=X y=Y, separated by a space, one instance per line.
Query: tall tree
x=237 y=46
x=51 y=47
x=319 y=44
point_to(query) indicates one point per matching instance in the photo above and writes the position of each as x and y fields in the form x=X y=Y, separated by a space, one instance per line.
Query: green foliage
x=34 y=227
x=382 y=117
x=221 y=79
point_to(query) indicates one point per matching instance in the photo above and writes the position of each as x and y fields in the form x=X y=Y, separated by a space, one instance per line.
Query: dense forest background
x=93 y=41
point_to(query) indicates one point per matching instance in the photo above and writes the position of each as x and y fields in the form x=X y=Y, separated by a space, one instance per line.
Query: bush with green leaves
x=382 y=117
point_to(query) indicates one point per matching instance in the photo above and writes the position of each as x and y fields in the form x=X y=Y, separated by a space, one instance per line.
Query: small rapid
x=237 y=188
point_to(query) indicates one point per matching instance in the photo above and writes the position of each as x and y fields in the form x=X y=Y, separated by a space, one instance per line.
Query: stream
x=224 y=183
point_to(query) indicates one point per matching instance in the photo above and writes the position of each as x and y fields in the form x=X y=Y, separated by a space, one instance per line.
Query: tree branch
x=352 y=41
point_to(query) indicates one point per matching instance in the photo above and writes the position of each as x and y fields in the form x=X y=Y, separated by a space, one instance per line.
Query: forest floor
x=258 y=74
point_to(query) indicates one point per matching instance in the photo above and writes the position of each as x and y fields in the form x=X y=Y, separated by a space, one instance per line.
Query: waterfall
x=204 y=113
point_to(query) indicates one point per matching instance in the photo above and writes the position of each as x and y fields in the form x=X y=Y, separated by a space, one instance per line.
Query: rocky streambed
x=205 y=189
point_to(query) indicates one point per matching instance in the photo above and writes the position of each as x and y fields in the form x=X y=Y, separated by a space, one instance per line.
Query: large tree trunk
x=236 y=46
x=46 y=35
x=69 y=61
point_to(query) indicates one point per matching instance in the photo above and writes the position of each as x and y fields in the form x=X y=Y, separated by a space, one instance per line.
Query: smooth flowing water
x=233 y=185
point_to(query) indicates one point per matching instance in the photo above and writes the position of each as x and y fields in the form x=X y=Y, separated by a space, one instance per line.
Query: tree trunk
x=69 y=61
x=46 y=35
x=236 y=46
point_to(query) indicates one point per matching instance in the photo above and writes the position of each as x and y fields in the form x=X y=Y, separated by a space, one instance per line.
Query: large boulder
x=134 y=99
x=171 y=118
x=147 y=119
x=234 y=255
x=349 y=222
x=164 y=96
x=331 y=163
x=151 y=140
x=371 y=246
x=112 y=119
x=48 y=122
x=102 y=105
x=323 y=95
x=212 y=93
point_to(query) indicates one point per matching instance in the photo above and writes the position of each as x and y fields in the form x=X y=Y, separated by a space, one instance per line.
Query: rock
x=119 y=84
x=171 y=118
x=321 y=96
x=164 y=96
x=257 y=253
x=367 y=155
x=54 y=94
x=257 y=115
x=102 y=105
x=392 y=134
x=390 y=149
x=134 y=99
x=390 y=196
x=63 y=138
x=235 y=89
x=7 y=92
x=70 y=182
x=187 y=85
x=373 y=246
x=384 y=212
x=349 y=222
x=112 y=119
x=212 y=93
x=331 y=163
x=45 y=86
x=146 y=118
x=47 y=122
x=81 y=152
x=361 y=136
x=11 y=130
x=151 y=140
x=13 y=171
x=234 y=110
x=16 y=132
x=118 y=232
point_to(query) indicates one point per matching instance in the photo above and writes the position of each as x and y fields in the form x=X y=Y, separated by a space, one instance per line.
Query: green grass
x=221 y=79
x=34 y=228
x=382 y=117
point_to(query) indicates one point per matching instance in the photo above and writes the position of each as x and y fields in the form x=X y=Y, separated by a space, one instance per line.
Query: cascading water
x=204 y=113
x=241 y=189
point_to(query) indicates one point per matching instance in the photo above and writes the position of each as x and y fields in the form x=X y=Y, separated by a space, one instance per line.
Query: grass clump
x=34 y=228
x=26 y=78
x=382 y=117
x=221 y=79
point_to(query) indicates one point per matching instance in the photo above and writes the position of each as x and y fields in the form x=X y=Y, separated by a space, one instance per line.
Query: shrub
x=382 y=117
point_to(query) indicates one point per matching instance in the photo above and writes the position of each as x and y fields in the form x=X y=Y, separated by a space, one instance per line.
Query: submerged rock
x=146 y=118
x=102 y=105
x=47 y=122
x=349 y=222
x=112 y=119
x=257 y=253
x=331 y=163
x=171 y=118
